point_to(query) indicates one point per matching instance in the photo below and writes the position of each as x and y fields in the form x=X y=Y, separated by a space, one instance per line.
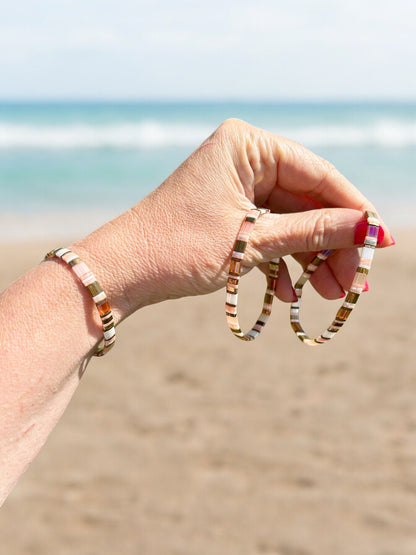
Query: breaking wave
x=157 y=134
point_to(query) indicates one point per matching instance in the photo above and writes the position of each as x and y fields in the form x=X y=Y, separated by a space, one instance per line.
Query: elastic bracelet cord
x=98 y=295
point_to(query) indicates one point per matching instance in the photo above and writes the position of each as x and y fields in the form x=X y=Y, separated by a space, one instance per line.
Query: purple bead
x=372 y=231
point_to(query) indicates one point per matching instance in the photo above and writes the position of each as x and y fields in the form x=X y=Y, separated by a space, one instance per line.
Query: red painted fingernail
x=343 y=295
x=366 y=287
x=360 y=232
x=393 y=242
x=380 y=235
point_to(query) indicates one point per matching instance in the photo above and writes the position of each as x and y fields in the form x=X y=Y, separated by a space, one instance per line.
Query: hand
x=185 y=230
x=203 y=203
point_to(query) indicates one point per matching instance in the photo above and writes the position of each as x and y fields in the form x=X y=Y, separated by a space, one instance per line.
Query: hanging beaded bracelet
x=353 y=294
x=343 y=313
x=88 y=279
x=234 y=278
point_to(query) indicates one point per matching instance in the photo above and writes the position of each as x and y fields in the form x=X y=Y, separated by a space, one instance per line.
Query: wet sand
x=186 y=441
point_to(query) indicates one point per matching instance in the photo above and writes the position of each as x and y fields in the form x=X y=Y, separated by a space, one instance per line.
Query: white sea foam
x=152 y=134
x=146 y=134
x=381 y=133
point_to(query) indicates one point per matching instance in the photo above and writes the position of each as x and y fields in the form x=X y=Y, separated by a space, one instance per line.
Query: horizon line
x=213 y=100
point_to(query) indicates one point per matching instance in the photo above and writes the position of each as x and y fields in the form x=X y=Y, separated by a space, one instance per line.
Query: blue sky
x=164 y=49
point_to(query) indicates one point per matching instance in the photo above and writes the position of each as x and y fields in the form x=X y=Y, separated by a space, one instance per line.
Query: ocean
x=66 y=167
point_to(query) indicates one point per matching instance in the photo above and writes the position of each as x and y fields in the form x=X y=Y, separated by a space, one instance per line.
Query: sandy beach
x=186 y=441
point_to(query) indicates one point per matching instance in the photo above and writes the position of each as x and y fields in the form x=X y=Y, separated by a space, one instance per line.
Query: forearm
x=51 y=328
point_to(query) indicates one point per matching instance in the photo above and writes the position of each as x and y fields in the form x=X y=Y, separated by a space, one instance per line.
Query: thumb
x=276 y=235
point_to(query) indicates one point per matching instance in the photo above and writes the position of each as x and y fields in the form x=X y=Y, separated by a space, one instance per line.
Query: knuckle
x=231 y=123
x=316 y=238
x=327 y=171
x=231 y=127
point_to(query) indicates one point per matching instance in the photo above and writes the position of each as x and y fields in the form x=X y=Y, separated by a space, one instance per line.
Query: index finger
x=301 y=172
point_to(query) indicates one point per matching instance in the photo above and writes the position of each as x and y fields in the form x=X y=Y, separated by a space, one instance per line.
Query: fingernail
x=343 y=295
x=366 y=287
x=393 y=242
x=360 y=233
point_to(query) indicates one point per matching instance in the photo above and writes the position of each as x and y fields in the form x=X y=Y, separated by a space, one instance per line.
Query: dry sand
x=184 y=440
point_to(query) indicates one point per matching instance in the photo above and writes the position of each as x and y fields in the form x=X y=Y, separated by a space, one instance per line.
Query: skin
x=176 y=242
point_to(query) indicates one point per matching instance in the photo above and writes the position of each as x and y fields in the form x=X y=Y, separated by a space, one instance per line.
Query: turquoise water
x=66 y=157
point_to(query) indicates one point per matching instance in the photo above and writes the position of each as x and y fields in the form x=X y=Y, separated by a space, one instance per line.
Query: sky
x=213 y=50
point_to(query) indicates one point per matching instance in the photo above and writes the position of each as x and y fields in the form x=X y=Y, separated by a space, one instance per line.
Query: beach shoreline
x=76 y=222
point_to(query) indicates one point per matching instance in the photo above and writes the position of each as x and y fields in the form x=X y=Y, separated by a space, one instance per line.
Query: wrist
x=120 y=253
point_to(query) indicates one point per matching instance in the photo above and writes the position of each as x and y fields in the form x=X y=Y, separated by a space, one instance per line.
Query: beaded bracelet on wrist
x=99 y=297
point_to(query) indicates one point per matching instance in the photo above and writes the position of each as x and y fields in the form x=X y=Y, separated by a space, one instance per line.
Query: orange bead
x=103 y=308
